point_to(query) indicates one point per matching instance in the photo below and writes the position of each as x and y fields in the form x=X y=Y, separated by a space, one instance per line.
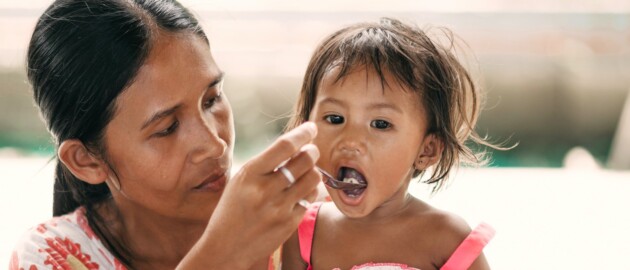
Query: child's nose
x=354 y=140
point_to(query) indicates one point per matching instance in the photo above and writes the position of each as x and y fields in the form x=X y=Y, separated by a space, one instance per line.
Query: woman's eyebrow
x=159 y=115
x=166 y=112
x=218 y=79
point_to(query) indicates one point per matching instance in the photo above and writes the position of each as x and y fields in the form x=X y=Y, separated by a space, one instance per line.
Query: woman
x=133 y=98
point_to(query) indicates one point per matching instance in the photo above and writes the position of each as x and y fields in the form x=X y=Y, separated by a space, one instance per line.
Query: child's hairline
x=361 y=66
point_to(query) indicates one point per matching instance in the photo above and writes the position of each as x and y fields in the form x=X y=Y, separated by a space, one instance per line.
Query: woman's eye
x=334 y=119
x=168 y=130
x=380 y=124
x=211 y=101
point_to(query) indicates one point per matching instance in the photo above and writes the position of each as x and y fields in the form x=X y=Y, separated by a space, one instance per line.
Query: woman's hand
x=259 y=207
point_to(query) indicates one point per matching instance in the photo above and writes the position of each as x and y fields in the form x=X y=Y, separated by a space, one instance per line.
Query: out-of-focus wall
x=555 y=78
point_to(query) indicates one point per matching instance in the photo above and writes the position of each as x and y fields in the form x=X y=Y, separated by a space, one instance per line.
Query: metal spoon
x=330 y=181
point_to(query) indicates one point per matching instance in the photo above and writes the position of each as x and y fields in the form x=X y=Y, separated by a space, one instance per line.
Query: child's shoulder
x=442 y=222
x=445 y=230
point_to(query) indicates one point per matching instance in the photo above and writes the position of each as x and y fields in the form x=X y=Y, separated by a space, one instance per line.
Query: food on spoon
x=351 y=180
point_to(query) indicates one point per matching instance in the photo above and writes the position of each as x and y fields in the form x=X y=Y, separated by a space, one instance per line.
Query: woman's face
x=170 y=141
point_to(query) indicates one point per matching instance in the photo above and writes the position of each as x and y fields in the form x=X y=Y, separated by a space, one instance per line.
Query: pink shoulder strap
x=306 y=230
x=468 y=251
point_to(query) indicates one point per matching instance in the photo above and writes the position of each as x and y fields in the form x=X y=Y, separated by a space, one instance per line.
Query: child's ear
x=429 y=153
x=81 y=163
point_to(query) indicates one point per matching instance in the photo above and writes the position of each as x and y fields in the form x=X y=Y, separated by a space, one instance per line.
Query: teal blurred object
x=620 y=149
x=20 y=126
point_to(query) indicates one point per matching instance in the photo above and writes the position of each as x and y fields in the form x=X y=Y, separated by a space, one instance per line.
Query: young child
x=390 y=103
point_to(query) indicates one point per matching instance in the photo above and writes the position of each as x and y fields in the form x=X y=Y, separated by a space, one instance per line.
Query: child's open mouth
x=350 y=175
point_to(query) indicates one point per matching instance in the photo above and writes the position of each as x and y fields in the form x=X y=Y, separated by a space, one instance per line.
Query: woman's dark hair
x=417 y=62
x=83 y=54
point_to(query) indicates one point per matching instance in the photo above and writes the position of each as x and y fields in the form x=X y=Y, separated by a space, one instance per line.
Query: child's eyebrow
x=383 y=105
x=371 y=106
x=333 y=101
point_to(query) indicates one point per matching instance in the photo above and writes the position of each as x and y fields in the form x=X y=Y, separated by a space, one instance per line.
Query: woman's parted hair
x=82 y=55
x=417 y=62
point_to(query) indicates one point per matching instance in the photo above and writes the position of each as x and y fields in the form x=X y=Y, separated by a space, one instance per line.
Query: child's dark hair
x=443 y=85
x=82 y=55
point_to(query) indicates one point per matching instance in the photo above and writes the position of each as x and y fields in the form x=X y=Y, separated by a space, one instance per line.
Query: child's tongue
x=350 y=175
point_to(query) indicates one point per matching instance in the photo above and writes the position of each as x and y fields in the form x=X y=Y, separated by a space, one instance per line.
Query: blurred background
x=556 y=75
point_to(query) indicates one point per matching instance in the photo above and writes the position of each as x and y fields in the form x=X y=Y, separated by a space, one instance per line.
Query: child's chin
x=350 y=199
x=351 y=207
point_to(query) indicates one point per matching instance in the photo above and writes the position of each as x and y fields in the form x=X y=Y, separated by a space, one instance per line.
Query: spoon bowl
x=332 y=182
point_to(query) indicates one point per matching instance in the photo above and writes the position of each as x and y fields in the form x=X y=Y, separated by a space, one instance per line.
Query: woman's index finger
x=285 y=147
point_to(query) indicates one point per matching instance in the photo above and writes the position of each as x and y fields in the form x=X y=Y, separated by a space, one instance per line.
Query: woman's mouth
x=212 y=183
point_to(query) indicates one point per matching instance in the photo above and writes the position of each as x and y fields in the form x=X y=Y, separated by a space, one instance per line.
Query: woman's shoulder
x=71 y=225
x=61 y=241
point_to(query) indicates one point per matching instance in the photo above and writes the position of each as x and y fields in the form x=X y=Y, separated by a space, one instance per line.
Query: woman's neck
x=154 y=241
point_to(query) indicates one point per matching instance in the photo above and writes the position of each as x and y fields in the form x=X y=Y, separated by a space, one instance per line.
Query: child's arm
x=291 y=258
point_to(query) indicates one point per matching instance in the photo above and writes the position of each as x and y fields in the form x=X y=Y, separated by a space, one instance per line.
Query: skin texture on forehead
x=387 y=82
x=153 y=76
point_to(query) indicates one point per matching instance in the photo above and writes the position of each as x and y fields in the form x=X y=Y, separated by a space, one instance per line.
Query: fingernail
x=311 y=127
x=311 y=150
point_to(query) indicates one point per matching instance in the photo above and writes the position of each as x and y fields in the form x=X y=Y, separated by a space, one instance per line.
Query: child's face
x=370 y=134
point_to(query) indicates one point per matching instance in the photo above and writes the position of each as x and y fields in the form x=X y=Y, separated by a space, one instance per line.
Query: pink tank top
x=461 y=259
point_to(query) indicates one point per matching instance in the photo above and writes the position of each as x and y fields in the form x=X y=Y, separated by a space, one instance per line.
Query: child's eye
x=168 y=130
x=380 y=124
x=334 y=119
x=211 y=101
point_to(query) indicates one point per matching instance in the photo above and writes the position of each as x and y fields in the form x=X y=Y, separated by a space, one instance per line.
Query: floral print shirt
x=63 y=243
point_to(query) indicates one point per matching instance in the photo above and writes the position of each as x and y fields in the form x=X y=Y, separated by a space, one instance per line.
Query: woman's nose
x=210 y=145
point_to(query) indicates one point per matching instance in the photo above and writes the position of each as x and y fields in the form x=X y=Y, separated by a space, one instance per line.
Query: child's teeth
x=351 y=180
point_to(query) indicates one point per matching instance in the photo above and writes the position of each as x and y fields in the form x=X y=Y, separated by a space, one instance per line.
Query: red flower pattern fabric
x=63 y=243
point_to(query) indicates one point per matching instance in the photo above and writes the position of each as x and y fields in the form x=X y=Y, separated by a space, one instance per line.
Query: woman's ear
x=81 y=163
x=429 y=153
